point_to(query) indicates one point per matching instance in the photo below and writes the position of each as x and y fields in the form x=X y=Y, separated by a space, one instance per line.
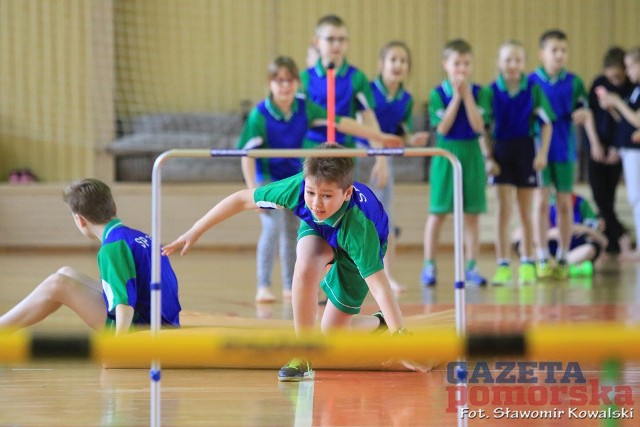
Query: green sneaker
x=584 y=269
x=526 y=274
x=502 y=275
x=561 y=272
x=544 y=270
x=296 y=370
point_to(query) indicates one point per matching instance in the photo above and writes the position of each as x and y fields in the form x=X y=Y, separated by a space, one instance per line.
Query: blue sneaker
x=296 y=370
x=429 y=275
x=473 y=276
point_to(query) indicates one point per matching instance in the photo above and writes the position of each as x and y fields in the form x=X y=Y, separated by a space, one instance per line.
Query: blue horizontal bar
x=228 y=153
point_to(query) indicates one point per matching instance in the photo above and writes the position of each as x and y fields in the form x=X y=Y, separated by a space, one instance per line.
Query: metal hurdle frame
x=156 y=199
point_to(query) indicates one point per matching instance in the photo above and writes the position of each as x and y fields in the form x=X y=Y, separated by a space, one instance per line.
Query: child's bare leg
x=67 y=286
x=627 y=254
x=313 y=255
x=432 y=234
x=525 y=201
x=581 y=253
x=541 y=221
x=471 y=236
x=564 y=219
x=333 y=319
x=503 y=218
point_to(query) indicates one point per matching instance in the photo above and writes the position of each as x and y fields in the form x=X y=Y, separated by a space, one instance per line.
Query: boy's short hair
x=285 y=62
x=340 y=170
x=331 y=20
x=92 y=199
x=553 y=34
x=458 y=46
x=614 y=58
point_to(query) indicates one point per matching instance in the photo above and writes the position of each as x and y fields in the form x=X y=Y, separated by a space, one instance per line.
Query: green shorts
x=343 y=284
x=474 y=179
x=561 y=175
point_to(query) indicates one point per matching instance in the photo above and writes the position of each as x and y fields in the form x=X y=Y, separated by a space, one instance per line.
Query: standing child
x=121 y=297
x=281 y=121
x=605 y=168
x=628 y=138
x=343 y=227
x=352 y=91
x=458 y=121
x=567 y=96
x=514 y=103
x=394 y=112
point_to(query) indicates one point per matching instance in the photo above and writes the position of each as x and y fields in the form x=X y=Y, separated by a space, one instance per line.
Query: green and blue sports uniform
x=513 y=116
x=395 y=116
x=566 y=93
x=462 y=141
x=124 y=260
x=357 y=233
x=268 y=127
x=352 y=94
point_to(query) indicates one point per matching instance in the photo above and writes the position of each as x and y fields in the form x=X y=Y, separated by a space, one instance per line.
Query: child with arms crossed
x=605 y=168
x=628 y=137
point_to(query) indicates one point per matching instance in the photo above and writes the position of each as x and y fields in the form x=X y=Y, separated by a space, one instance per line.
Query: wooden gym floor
x=222 y=283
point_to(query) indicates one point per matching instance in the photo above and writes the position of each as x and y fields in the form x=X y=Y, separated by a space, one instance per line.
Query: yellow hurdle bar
x=192 y=347
x=594 y=342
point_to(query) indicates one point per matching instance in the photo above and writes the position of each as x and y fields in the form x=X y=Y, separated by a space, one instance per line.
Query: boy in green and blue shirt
x=568 y=98
x=516 y=108
x=343 y=227
x=458 y=121
x=121 y=298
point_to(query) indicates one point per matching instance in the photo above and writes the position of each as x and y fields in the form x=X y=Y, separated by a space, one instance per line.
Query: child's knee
x=66 y=271
x=57 y=283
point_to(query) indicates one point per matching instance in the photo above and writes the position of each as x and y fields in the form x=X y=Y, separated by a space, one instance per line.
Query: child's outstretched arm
x=229 y=206
x=381 y=290
x=380 y=139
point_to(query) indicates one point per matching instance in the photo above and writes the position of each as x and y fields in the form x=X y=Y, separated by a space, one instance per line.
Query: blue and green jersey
x=268 y=127
x=566 y=93
x=394 y=113
x=124 y=260
x=514 y=115
x=358 y=231
x=352 y=94
x=461 y=130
